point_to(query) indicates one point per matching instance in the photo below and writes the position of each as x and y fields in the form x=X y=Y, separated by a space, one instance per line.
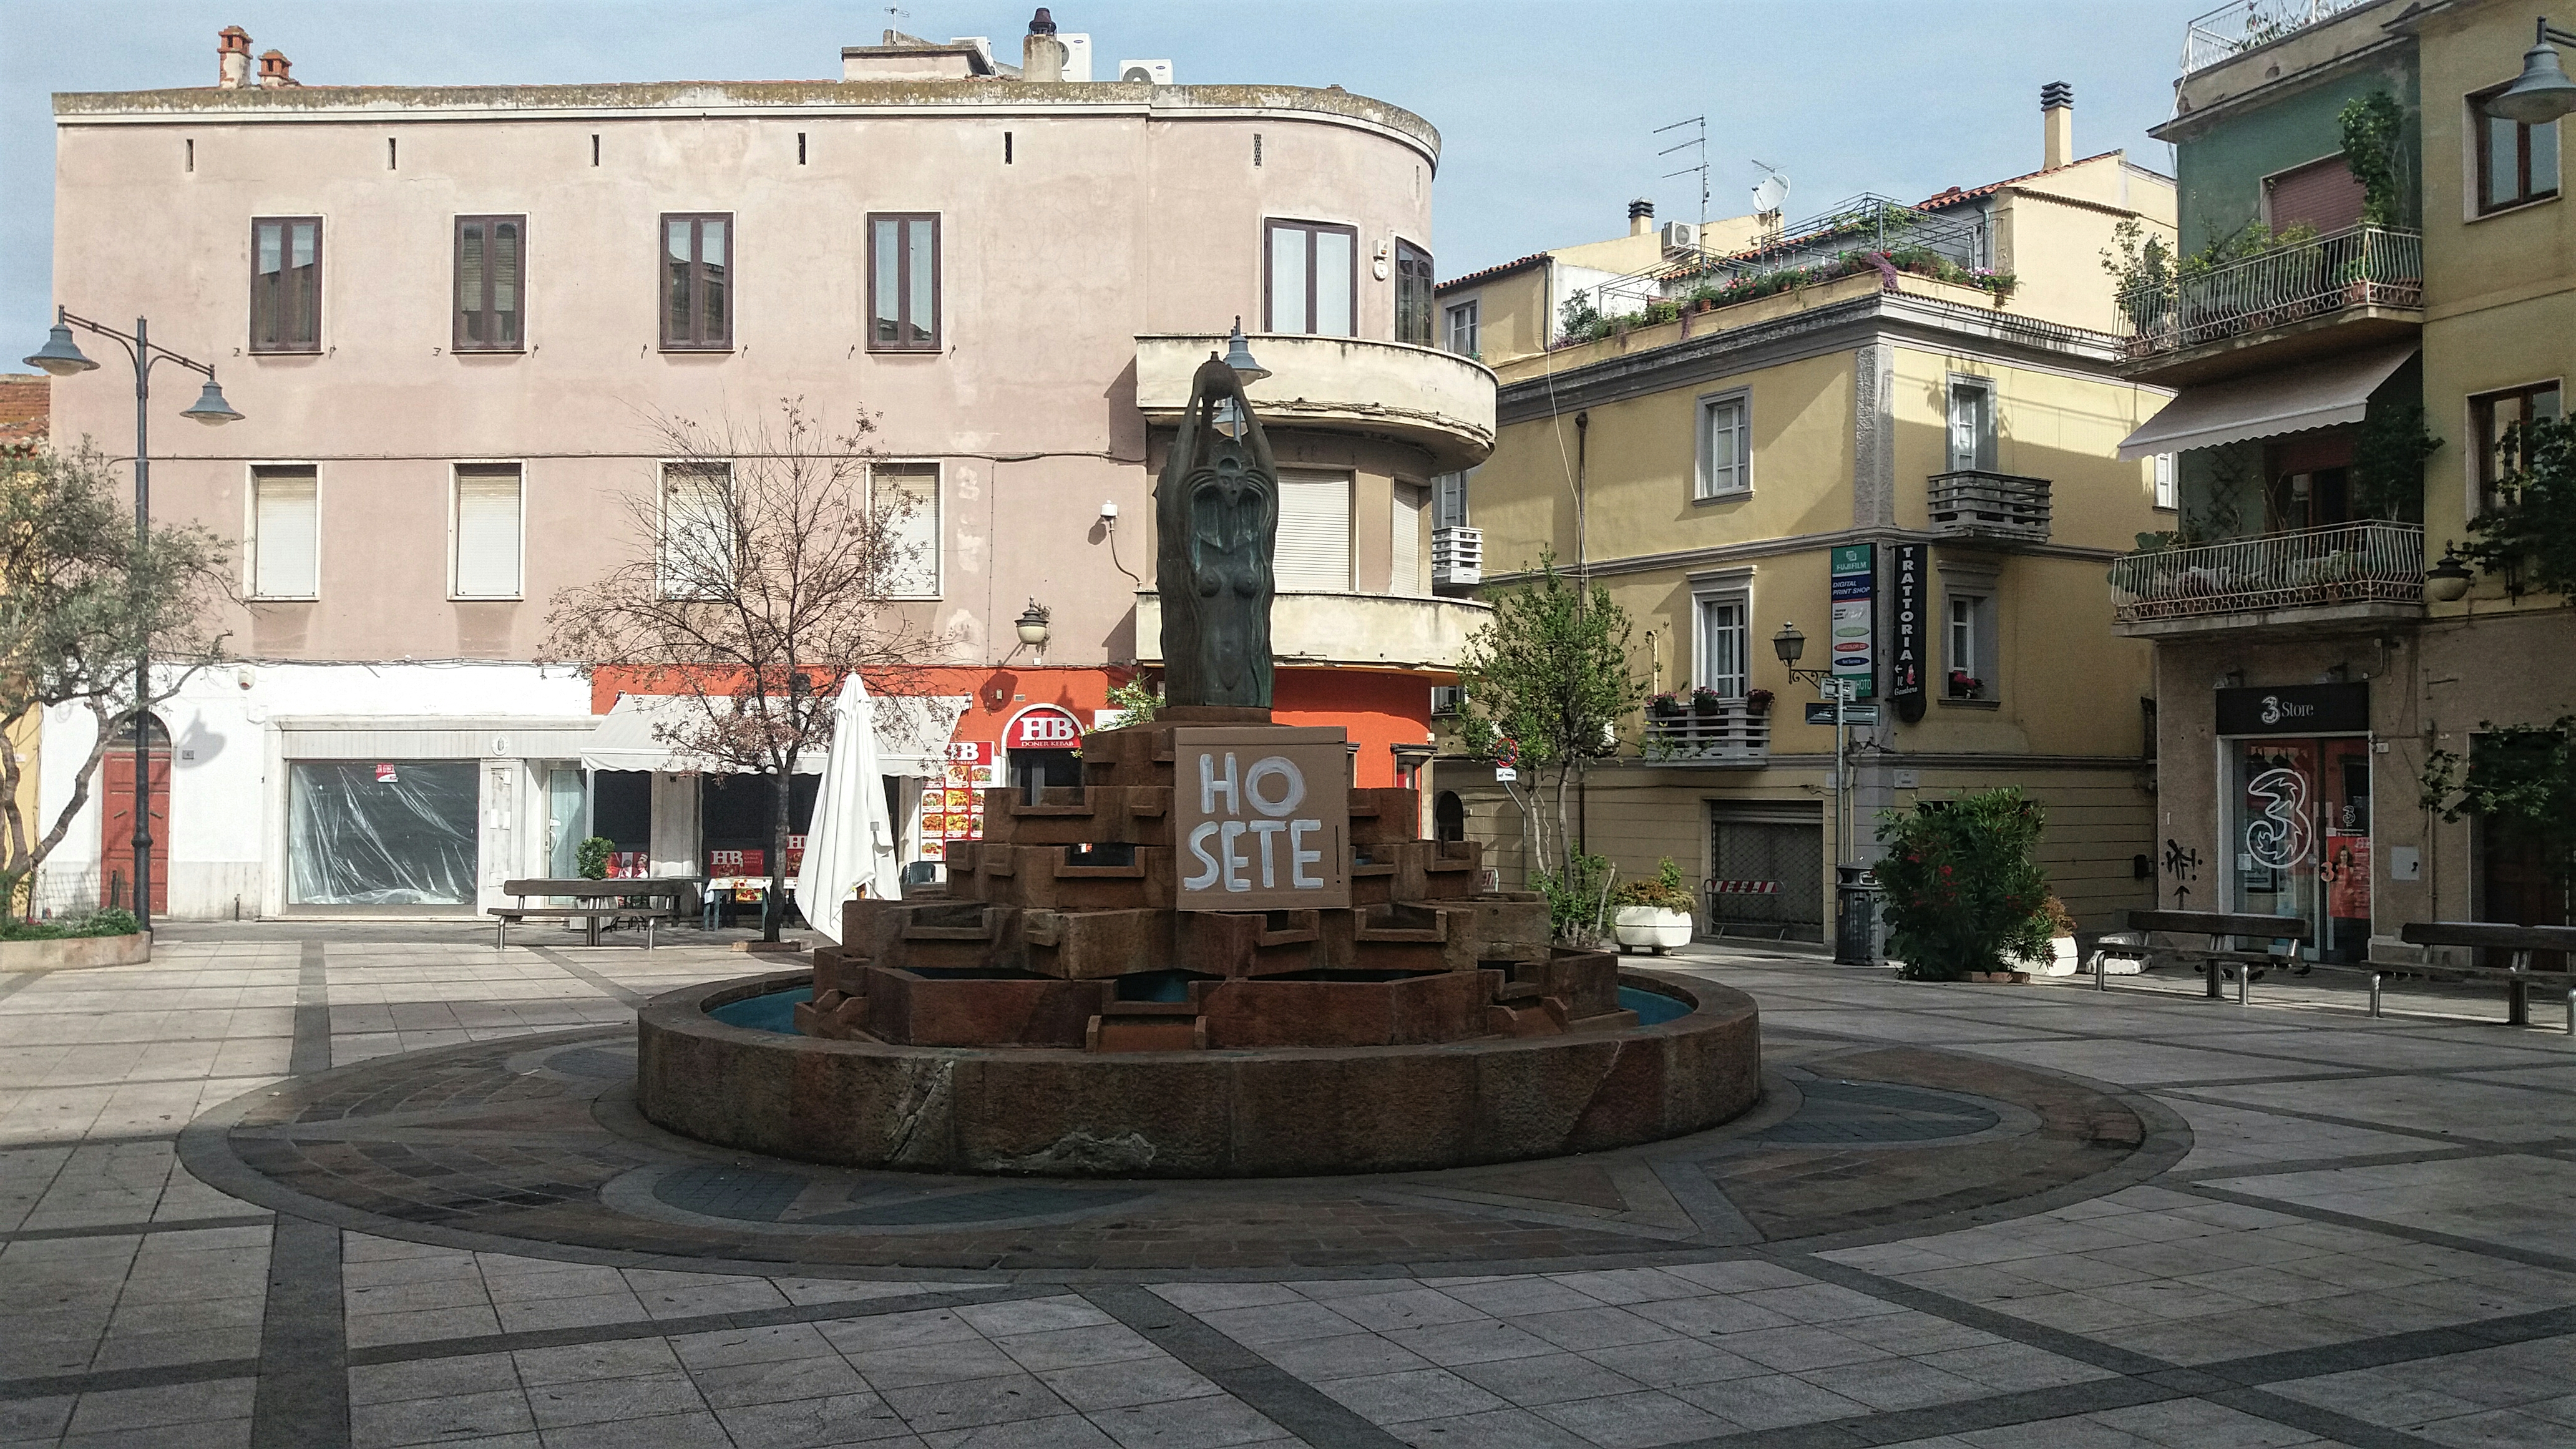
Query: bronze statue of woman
x=1216 y=515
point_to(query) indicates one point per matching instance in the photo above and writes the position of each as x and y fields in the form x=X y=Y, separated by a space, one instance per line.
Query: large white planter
x=2062 y=960
x=1652 y=927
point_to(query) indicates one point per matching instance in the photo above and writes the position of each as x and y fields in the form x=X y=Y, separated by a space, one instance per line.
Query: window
x=1412 y=294
x=1310 y=277
x=2168 y=489
x=1449 y=500
x=487 y=531
x=491 y=271
x=1462 y=329
x=285 y=535
x=286 y=284
x=1968 y=639
x=2516 y=163
x=907 y=496
x=1724 y=638
x=2495 y=416
x=697 y=530
x=1314 y=540
x=1725 y=445
x=1972 y=426
x=1405 y=564
x=903 y=283
x=697 y=282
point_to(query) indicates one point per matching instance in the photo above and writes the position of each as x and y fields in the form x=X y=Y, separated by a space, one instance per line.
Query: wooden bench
x=2215 y=959
x=2518 y=942
x=595 y=917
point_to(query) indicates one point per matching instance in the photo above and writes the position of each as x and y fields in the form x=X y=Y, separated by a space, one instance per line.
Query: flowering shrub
x=1963 y=893
x=1665 y=890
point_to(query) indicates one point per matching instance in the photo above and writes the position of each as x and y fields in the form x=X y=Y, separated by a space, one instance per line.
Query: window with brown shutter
x=286 y=284
x=2324 y=194
x=491 y=283
x=697 y=281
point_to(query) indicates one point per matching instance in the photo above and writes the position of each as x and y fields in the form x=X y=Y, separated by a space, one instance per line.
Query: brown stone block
x=1384 y=816
x=919 y=1010
x=1365 y=1112
x=1416 y=1010
x=1432 y=870
x=1528 y=1102
x=1090 y=945
x=1586 y=982
x=836 y=969
x=1159 y=1114
x=1507 y=925
x=1044 y=877
x=1250 y=943
x=1398 y=936
x=1628 y=1101
x=1158 y=1033
x=1080 y=815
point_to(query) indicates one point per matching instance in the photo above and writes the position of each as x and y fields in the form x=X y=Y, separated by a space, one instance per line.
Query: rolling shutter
x=1314 y=554
x=285 y=534
x=487 y=533
x=1404 y=578
x=2324 y=194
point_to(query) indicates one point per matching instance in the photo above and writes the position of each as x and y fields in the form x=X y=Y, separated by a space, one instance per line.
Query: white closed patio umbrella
x=850 y=842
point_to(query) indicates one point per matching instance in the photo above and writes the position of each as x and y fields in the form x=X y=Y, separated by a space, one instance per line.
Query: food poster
x=952 y=806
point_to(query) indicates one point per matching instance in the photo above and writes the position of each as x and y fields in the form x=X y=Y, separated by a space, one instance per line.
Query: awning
x=912 y=735
x=2292 y=400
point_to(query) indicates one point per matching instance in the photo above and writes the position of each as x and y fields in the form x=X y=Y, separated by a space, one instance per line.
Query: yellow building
x=1860 y=396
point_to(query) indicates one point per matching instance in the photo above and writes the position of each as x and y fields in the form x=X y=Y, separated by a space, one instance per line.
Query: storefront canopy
x=2292 y=400
x=912 y=735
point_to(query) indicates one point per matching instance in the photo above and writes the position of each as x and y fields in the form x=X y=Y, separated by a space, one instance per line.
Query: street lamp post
x=62 y=357
x=1790 y=644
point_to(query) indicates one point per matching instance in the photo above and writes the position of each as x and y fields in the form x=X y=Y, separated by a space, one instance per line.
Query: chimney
x=232 y=58
x=2057 y=124
x=272 y=72
x=1641 y=217
x=1042 y=56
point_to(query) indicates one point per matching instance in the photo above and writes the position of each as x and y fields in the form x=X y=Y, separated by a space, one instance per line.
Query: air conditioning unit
x=1151 y=72
x=1077 y=57
x=1680 y=236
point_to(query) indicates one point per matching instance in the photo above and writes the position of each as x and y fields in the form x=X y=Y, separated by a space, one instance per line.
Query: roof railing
x=2242 y=25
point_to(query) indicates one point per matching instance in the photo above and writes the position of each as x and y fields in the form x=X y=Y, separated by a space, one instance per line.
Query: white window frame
x=1470 y=315
x=1704 y=485
x=662 y=518
x=1989 y=444
x=456 y=475
x=1979 y=589
x=938 y=477
x=1445 y=489
x=251 y=531
x=2166 y=471
x=1724 y=589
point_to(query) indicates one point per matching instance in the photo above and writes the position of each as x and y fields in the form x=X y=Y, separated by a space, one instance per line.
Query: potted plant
x=1654 y=912
x=1964 y=887
x=1665 y=705
x=1964 y=685
x=2062 y=956
x=1706 y=701
x=1759 y=701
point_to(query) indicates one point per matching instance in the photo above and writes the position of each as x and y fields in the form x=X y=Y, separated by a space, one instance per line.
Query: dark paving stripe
x=699 y=1323
x=2559 y=1262
x=2392 y=1348
x=129 y=1230
x=2002 y=1325
x=2447 y=1139
x=2461 y=1153
x=303 y=1397
x=1286 y=1400
x=312 y=1050
x=1967 y=1416
x=564 y=963
x=2325 y=1423
x=158 y=1376
x=20 y=982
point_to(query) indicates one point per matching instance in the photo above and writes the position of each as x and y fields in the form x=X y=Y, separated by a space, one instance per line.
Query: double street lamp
x=62 y=357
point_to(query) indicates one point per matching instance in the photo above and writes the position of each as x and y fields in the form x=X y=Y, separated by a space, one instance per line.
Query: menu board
x=952 y=806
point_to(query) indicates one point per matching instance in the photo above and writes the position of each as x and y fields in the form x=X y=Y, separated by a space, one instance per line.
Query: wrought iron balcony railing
x=2360 y=266
x=2348 y=563
x=1975 y=504
x=1457 y=555
x=2241 y=25
x=1736 y=733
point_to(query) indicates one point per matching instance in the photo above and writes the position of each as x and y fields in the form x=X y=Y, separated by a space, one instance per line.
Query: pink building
x=448 y=313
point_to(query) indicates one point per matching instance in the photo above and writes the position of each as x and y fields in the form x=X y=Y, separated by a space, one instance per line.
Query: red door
x=116 y=829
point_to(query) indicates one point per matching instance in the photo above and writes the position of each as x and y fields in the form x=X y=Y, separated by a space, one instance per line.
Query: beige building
x=1895 y=427
x=449 y=315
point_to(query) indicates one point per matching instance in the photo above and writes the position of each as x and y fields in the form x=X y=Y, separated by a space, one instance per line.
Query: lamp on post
x=2542 y=93
x=62 y=357
x=1791 y=645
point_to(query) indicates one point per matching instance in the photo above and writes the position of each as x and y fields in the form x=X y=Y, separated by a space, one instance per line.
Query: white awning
x=2292 y=400
x=912 y=735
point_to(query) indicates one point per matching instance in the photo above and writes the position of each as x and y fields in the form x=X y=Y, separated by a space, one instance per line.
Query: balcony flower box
x=1965 y=686
x=1667 y=705
x=1758 y=702
x=1707 y=701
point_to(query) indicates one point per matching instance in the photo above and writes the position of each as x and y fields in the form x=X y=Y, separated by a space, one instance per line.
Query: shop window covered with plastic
x=381 y=833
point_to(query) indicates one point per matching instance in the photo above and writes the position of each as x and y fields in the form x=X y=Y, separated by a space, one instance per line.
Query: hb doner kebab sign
x=1262 y=818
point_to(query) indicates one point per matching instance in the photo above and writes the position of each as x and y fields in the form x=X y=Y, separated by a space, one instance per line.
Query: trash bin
x=1860 y=936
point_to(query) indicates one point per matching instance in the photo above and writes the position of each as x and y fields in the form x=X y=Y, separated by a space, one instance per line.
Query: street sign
x=1853 y=714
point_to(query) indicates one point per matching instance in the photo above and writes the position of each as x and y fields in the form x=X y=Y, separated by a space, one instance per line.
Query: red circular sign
x=1043 y=727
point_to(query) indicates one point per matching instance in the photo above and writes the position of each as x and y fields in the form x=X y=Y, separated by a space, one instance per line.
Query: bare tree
x=768 y=555
x=78 y=600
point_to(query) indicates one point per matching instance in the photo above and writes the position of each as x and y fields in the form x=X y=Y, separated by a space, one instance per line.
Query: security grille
x=1769 y=878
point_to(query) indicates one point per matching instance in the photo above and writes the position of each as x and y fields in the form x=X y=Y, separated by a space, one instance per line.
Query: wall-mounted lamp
x=1033 y=625
x=2447 y=582
x=2542 y=93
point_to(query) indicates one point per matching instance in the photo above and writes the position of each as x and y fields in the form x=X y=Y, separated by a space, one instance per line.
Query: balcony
x=1457 y=557
x=2242 y=25
x=2347 y=573
x=1735 y=735
x=1366 y=631
x=1437 y=401
x=2356 y=288
x=1997 y=506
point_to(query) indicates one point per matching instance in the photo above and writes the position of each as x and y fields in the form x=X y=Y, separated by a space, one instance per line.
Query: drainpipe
x=1582 y=599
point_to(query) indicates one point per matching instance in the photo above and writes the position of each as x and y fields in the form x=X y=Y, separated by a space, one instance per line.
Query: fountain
x=1212 y=958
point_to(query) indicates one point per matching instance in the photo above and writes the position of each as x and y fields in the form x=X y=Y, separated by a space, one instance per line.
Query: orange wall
x=1379 y=709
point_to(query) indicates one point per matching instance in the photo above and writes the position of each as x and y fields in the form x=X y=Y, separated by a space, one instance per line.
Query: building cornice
x=1761 y=548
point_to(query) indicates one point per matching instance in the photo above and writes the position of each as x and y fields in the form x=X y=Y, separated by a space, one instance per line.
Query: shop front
x=2295 y=810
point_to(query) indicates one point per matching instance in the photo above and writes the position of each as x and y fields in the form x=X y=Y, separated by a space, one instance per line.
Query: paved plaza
x=385 y=1186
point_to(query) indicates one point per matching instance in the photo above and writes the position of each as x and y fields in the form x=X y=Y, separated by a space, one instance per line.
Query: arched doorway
x=1448 y=816
x=116 y=815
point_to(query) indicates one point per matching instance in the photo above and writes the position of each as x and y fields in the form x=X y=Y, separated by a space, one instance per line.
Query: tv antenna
x=1697 y=143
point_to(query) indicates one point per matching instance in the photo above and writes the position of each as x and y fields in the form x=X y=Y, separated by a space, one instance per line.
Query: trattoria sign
x=1262 y=818
x=1906 y=633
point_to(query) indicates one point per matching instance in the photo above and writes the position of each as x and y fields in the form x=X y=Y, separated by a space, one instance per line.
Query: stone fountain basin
x=1268 y=1112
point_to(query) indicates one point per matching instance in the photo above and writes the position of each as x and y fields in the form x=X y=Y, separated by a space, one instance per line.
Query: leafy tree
x=2529 y=533
x=1963 y=891
x=1544 y=685
x=762 y=571
x=2521 y=779
x=79 y=597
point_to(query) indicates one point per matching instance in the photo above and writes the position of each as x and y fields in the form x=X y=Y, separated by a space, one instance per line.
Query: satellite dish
x=1773 y=190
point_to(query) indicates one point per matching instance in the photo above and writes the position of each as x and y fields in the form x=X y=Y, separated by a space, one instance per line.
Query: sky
x=1547 y=108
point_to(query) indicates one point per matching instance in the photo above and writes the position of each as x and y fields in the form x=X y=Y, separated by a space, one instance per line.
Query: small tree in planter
x=1654 y=911
x=1963 y=891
